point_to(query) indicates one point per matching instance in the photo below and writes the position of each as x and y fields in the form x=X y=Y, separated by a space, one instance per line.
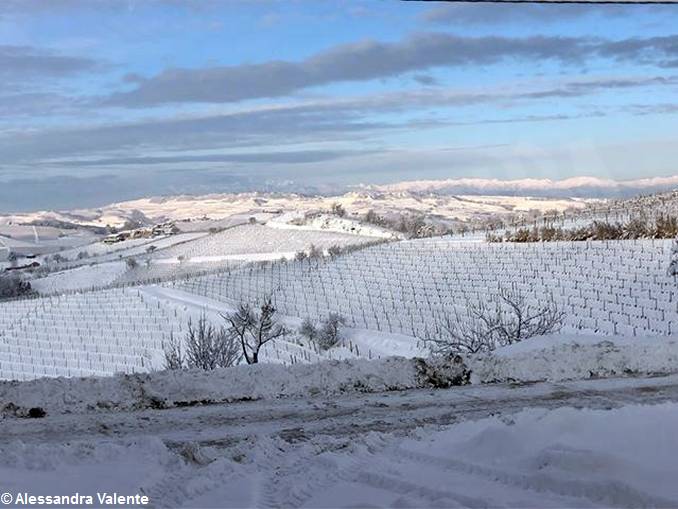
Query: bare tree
x=208 y=347
x=509 y=320
x=253 y=329
x=461 y=335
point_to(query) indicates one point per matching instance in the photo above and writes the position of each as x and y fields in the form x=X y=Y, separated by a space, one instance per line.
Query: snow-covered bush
x=308 y=329
x=334 y=250
x=314 y=253
x=12 y=286
x=174 y=355
x=253 y=329
x=325 y=334
x=131 y=263
x=329 y=333
x=208 y=347
x=338 y=210
x=508 y=319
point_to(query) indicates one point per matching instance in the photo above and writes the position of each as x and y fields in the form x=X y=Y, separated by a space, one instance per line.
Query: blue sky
x=104 y=100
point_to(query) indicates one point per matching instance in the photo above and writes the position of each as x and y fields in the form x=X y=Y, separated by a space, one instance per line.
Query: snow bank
x=570 y=357
x=186 y=388
x=549 y=358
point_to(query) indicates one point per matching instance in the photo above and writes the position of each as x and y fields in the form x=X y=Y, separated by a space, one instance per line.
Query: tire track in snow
x=607 y=493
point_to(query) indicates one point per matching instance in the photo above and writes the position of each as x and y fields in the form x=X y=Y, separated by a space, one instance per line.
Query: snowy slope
x=254 y=239
x=80 y=278
x=330 y=223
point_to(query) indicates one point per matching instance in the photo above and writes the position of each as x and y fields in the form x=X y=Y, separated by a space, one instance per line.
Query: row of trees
x=662 y=227
x=335 y=250
x=412 y=226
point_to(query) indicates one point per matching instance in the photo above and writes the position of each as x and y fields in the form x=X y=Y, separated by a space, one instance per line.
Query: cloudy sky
x=105 y=100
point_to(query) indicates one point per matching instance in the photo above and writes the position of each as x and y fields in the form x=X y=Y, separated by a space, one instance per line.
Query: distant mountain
x=575 y=187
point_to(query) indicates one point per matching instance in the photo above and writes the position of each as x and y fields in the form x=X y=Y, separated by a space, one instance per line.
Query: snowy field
x=258 y=239
x=96 y=265
x=79 y=278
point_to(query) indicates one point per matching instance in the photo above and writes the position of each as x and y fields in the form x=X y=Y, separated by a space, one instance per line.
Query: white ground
x=79 y=278
x=328 y=222
x=605 y=443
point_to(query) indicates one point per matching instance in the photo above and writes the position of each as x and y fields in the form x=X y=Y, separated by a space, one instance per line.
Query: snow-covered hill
x=244 y=205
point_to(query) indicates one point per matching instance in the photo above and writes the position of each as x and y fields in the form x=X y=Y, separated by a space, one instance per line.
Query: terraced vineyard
x=95 y=333
x=619 y=287
x=401 y=291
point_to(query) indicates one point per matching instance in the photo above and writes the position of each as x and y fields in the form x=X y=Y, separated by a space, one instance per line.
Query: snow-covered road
x=397 y=449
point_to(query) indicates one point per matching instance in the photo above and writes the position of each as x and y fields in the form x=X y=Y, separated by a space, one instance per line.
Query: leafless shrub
x=208 y=347
x=13 y=285
x=253 y=329
x=330 y=332
x=334 y=250
x=637 y=227
x=314 y=253
x=673 y=264
x=338 y=210
x=509 y=319
x=308 y=329
x=174 y=355
x=665 y=227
